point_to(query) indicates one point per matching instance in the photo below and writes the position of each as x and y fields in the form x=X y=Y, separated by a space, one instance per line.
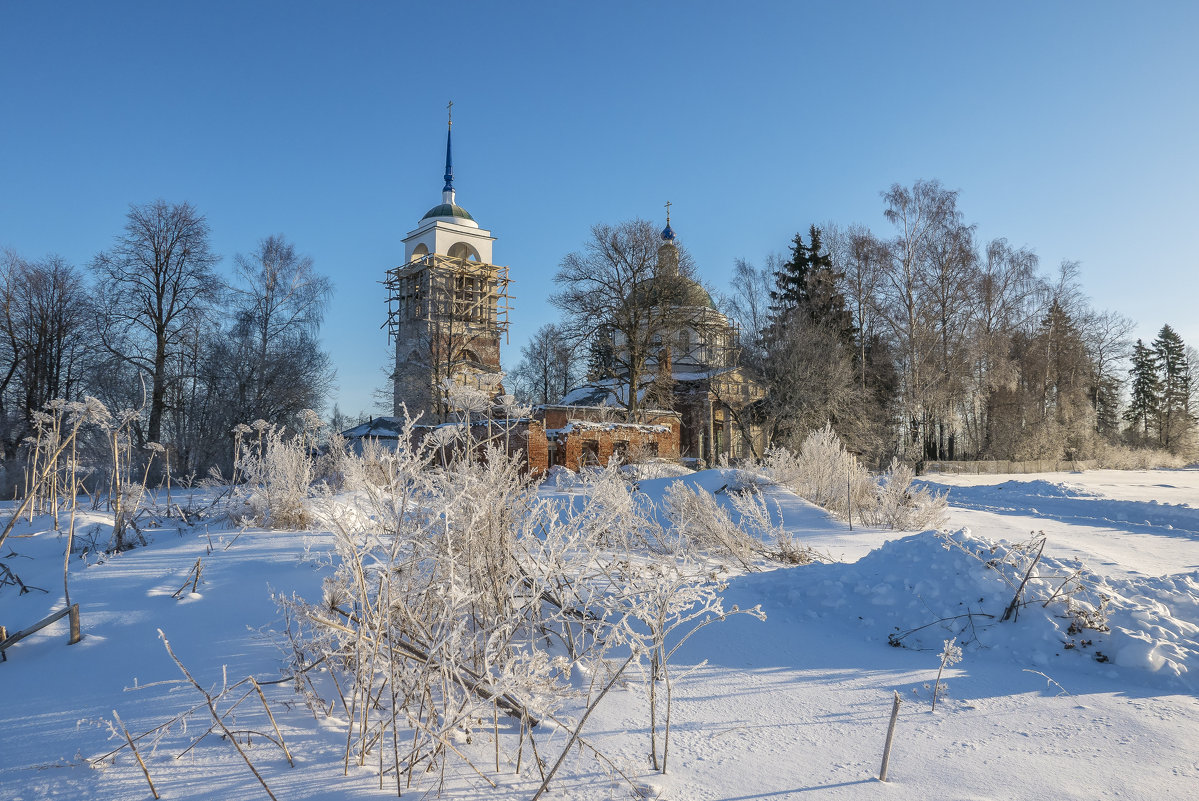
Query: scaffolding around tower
x=446 y=317
x=445 y=290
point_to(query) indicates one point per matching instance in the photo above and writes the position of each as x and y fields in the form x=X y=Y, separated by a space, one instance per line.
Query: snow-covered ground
x=793 y=707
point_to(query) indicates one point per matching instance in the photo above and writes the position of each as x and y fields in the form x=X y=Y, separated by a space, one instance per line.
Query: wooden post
x=6 y=642
x=3 y=637
x=882 y=772
x=849 y=498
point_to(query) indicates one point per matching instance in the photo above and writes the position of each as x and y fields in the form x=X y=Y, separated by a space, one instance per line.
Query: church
x=447 y=305
x=448 y=308
x=694 y=370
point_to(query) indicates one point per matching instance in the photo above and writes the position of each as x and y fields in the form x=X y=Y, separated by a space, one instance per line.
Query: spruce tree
x=1146 y=388
x=791 y=282
x=808 y=284
x=1173 y=412
x=601 y=358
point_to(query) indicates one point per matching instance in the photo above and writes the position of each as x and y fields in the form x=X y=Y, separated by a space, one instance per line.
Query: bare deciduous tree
x=546 y=370
x=155 y=286
x=279 y=303
x=613 y=284
x=44 y=314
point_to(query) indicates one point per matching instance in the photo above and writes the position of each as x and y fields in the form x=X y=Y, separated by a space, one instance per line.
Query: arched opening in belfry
x=463 y=250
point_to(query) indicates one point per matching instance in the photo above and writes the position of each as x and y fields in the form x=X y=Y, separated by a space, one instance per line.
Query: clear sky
x=1067 y=127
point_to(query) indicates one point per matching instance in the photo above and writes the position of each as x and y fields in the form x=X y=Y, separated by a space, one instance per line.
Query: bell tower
x=447 y=305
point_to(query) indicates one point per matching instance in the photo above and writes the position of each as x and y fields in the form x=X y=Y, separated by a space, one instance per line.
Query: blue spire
x=449 y=161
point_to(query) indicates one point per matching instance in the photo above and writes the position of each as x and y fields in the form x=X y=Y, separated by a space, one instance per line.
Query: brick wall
x=582 y=444
x=537 y=452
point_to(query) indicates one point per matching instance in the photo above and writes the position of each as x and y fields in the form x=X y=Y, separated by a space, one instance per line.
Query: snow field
x=792 y=707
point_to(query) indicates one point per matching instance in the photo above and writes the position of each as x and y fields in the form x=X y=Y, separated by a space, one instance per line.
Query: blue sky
x=1067 y=127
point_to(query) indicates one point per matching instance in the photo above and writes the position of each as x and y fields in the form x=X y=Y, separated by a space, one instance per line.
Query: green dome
x=448 y=210
x=673 y=290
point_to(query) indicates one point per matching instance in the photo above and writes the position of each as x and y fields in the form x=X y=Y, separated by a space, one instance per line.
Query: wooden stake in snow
x=73 y=617
x=882 y=772
x=76 y=635
x=849 y=497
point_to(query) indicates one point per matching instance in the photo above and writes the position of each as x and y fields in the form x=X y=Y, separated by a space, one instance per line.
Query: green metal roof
x=448 y=210
x=673 y=291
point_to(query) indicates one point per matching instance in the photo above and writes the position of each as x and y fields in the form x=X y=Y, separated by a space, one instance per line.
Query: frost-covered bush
x=701 y=524
x=278 y=471
x=899 y=505
x=775 y=541
x=430 y=593
x=823 y=472
x=642 y=468
x=831 y=477
x=660 y=601
x=460 y=595
x=614 y=514
x=1122 y=457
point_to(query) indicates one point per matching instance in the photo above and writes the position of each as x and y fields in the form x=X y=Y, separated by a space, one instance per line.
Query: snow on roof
x=590 y=425
x=390 y=427
x=376 y=427
x=599 y=393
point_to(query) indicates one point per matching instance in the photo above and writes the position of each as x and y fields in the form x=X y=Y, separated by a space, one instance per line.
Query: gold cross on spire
x=668 y=212
x=450 y=113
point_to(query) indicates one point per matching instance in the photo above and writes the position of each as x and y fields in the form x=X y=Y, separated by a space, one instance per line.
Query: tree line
x=924 y=342
x=918 y=340
x=150 y=325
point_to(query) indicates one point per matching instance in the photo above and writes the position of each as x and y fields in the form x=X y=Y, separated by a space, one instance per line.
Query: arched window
x=420 y=251
x=463 y=250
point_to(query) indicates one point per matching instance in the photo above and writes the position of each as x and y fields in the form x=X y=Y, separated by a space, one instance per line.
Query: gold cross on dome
x=450 y=111
x=668 y=212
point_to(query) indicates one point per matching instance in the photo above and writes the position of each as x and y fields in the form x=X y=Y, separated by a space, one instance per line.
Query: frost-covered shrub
x=823 y=473
x=642 y=468
x=701 y=524
x=614 y=514
x=829 y=476
x=278 y=472
x=774 y=540
x=1122 y=457
x=460 y=595
x=666 y=600
x=899 y=505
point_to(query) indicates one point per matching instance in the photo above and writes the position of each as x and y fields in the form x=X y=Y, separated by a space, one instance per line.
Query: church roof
x=448 y=210
x=673 y=290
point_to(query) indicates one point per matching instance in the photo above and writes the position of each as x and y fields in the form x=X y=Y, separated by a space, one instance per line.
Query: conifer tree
x=601 y=360
x=791 y=282
x=808 y=284
x=1173 y=397
x=1146 y=387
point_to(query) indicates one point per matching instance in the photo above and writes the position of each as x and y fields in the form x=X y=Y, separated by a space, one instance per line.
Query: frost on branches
x=831 y=477
x=460 y=596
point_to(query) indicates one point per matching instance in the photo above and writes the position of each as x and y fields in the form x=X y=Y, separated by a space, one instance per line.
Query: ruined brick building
x=694 y=366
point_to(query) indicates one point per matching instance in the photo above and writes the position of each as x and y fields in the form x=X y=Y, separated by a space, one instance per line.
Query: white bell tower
x=447 y=305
